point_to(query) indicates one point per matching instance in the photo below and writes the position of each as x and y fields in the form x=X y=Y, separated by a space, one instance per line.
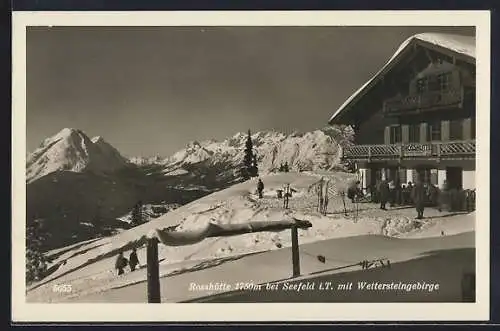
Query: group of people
x=284 y=167
x=354 y=191
x=397 y=194
x=122 y=262
x=285 y=193
x=392 y=192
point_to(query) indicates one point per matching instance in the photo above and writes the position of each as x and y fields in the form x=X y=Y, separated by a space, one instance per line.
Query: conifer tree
x=250 y=168
x=255 y=167
x=137 y=217
x=36 y=262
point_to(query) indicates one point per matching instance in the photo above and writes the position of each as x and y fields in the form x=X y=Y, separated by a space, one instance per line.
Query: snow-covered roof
x=465 y=46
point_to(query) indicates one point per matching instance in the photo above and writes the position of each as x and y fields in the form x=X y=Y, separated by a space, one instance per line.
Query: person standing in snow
x=354 y=191
x=443 y=196
x=133 y=261
x=392 y=193
x=383 y=191
x=324 y=194
x=260 y=188
x=398 y=192
x=121 y=263
x=409 y=189
x=418 y=197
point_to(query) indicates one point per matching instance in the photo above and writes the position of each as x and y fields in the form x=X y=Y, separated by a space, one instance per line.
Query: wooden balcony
x=450 y=150
x=424 y=101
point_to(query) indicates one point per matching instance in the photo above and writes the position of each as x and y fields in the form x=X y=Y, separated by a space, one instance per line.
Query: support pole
x=295 y=252
x=153 y=271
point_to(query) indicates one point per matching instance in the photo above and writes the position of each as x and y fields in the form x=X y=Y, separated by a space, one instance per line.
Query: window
x=434 y=131
x=414 y=133
x=421 y=85
x=427 y=175
x=433 y=84
x=444 y=81
x=441 y=82
x=433 y=177
x=402 y=175
x=456 y=129
x=424 y=174
x=396 y=134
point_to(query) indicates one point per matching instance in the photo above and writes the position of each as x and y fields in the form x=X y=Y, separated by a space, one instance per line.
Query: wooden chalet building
x=417 y=114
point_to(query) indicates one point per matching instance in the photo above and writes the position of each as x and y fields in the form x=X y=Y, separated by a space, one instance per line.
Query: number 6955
x=62 y=288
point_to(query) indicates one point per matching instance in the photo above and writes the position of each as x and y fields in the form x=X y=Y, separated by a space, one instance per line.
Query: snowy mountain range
x=73 y=179
x=72 y=150
x=310 y=151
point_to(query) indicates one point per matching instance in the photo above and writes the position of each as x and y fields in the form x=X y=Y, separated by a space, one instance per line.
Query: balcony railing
x=423 y=101
x=434 y=150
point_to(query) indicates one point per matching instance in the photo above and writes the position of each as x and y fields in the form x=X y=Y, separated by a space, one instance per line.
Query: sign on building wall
x=417 y=150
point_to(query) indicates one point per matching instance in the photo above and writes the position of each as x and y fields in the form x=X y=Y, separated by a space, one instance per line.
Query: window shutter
x=445 y=130
x=387 y=135
x=405 y=133
x=467 y=129
x=423 y=133
x=402 y=175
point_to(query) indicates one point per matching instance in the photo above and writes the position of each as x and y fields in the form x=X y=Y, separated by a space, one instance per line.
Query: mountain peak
x=66 y=132
x=99 y=140
x=72 y=150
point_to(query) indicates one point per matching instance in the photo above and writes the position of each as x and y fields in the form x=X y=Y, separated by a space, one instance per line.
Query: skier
x=133 y=261
x=260 y=188
x=121 y=263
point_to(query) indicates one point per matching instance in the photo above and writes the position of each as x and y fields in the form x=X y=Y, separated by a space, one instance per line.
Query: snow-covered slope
x=150 y=212
x=72 y=150
x=316 y=150
x=90 y=267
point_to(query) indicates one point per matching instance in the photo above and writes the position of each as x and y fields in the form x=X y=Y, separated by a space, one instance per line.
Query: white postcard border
x=299 y=312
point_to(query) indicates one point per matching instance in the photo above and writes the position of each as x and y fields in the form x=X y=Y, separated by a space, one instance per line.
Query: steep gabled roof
x=458 y=45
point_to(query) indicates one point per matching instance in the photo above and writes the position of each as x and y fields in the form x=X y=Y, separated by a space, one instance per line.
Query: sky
x=151 y=90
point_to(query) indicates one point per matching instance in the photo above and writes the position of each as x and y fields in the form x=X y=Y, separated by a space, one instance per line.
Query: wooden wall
x=372 y=127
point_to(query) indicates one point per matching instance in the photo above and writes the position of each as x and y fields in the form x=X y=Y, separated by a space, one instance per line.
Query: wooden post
x=153 y=271
x=295 y=252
